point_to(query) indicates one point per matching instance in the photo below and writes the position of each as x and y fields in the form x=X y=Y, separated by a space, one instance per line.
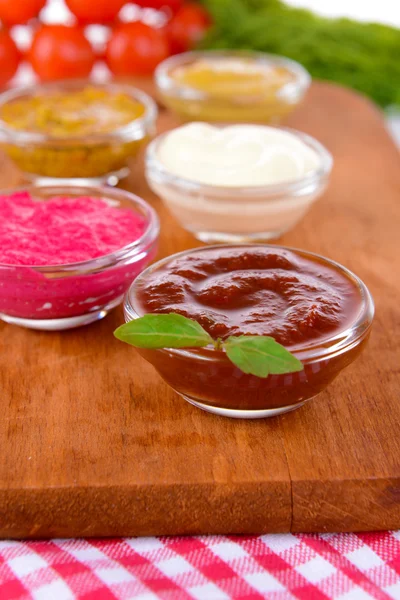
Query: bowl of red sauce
x=68 y=254
x=319 y=310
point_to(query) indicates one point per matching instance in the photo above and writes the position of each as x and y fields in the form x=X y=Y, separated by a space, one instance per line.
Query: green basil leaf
x=163 y=331
x=260 y=355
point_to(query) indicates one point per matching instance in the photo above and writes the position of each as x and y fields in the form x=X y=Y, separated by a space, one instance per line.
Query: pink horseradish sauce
x=41 y=243
x=63 y=230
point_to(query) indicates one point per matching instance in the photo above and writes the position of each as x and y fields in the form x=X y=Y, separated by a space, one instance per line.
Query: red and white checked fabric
x=280 y=567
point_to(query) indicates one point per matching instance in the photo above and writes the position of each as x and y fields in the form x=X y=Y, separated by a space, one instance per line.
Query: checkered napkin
x=280 y=567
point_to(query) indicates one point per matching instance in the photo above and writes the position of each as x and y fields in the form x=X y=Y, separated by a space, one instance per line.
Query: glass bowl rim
x=328 y=348
x=126 y=132
x=148 y=237
x=155 y=168
x=166 y=84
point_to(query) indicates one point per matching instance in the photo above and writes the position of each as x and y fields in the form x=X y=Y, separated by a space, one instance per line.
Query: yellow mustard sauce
x=66 y=117
x=233 y=89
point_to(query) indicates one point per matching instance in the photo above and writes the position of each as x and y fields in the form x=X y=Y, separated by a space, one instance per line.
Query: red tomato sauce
x=255 y=291
x=304 y=301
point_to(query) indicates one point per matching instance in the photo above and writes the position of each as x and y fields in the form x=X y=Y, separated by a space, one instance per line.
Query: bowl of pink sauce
x=68 y=254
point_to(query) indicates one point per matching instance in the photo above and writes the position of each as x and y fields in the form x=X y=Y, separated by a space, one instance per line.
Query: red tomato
x=60 y=52
x=135 y=49
x=9 y=57
x=168 y=5
x=17 y=12
x=187 y=27
x=95 y=11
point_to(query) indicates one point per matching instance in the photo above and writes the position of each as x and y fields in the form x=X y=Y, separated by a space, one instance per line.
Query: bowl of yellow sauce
x=231 y=86
x=75 y=129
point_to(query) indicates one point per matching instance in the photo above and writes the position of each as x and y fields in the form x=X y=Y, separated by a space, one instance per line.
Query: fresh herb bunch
x=364 y=56
x=253 y=354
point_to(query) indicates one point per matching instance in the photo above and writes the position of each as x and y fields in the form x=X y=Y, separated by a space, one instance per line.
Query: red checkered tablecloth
x=280 y=567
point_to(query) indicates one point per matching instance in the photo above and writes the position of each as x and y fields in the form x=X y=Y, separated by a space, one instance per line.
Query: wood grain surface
x=93 y=443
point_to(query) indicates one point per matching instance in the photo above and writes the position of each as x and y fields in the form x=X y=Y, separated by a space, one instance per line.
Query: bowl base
x=216 y=237
x=111 y=179
x=56 y=324
x=244 y=414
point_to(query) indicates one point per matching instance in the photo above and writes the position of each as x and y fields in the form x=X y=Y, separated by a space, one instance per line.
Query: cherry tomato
x=95 y=11
x=9 y=57
x=60 y=52
x=136 y=49
x=17 y=12
x=166 y=5
x=187 y=27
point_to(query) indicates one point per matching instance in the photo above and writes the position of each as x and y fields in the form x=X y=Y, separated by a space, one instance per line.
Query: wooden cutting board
x=93 y=443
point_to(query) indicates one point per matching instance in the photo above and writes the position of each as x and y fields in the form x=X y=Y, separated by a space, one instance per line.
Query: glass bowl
x=69 y=295
x=206 y=378
x=93 y=158
x=215 y=214
x=269 y=105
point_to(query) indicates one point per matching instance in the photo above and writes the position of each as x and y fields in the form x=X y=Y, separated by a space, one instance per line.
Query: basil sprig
x=253 y=354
